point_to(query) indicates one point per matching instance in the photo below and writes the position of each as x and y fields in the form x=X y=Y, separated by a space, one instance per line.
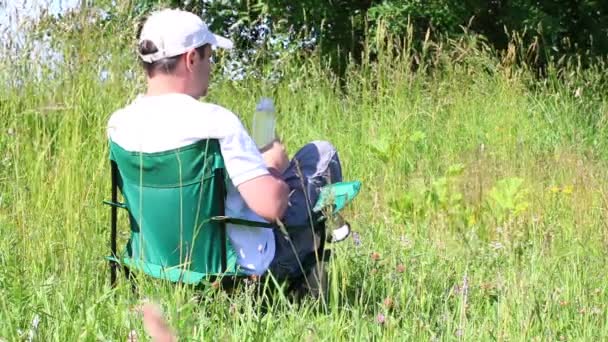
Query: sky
x=11 y=38
x=12 y=10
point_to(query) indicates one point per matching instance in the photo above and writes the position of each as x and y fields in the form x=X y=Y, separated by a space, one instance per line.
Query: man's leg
x=314 y=166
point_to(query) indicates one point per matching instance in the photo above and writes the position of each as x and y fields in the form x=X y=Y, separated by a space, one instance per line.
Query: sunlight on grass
x=482 y=214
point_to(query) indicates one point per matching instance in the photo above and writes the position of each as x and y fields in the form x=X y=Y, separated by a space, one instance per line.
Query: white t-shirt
x=160 y=123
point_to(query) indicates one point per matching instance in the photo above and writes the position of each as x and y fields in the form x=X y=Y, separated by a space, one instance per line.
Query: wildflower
x=380 y=319
x=495 y=245
x=554 y=189
x=375 y=256
x=458 y=289
x=471 y=220
x=389 y=303
x=596 y=311
x=563 y=302
x=400 y=268
x=356 y=239
x=10 y=131
x=568 y=189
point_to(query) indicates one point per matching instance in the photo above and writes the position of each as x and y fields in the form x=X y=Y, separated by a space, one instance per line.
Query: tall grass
x=482 y=217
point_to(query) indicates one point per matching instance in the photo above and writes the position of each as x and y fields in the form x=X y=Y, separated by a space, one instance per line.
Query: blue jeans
x=314 y=166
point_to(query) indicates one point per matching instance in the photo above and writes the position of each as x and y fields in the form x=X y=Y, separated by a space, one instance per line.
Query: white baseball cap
x=174 y=32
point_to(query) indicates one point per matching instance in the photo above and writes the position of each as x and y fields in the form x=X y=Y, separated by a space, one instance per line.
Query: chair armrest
x=243 y=222
x=336 y=196
x=333 y=196
x=115 y=204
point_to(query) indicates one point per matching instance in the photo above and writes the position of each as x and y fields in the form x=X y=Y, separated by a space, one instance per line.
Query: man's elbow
x=267 y=197
x=272 y=215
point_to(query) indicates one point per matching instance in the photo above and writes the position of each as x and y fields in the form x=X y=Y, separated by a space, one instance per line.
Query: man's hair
x=166 y=65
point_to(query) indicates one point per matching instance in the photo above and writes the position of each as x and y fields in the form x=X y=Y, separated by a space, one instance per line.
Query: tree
x=338 y=28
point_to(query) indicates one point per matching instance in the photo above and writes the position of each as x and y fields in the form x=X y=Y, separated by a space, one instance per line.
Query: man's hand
x=275 y=156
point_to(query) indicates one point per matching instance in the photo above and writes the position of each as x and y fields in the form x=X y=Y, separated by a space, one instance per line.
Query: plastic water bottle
x=264 y=123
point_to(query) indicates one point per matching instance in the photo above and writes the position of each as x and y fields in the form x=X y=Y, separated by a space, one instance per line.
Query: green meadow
x=482 y=214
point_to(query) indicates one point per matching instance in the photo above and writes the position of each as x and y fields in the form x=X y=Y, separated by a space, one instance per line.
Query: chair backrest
x=171 y=197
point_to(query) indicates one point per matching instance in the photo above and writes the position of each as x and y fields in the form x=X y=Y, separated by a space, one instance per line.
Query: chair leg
x=130 y=277
x=113 y=222
x=113 y=267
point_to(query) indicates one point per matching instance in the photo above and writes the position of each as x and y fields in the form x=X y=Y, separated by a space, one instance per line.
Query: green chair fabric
x=175 y=200
x=170 y=197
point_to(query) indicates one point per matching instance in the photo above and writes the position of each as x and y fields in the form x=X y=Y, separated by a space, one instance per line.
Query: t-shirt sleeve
x=242 y=158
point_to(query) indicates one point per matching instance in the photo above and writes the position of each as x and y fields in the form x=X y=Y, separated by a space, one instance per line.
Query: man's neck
x=162 y=85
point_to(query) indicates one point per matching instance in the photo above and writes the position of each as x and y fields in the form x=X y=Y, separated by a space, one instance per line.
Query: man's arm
x=268 y=195
x=256 y=174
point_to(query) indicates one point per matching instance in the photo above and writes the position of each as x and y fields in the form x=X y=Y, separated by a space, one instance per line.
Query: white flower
x=495 y=245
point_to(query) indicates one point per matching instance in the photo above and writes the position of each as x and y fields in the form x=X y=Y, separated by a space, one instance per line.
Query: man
x=175 y=49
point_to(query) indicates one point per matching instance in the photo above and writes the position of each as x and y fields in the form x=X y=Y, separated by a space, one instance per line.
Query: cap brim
x=221 y=42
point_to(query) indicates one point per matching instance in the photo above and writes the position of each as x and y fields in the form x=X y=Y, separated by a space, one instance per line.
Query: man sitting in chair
x=175 y=49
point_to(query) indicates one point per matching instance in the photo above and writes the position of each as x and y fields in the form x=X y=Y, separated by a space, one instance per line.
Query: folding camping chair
x=175 y=202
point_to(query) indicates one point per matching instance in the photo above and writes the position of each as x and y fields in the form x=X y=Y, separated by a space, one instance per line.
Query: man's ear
x=190 y=59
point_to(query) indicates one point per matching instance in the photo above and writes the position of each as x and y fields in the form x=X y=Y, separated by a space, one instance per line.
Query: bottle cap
x=265 y=105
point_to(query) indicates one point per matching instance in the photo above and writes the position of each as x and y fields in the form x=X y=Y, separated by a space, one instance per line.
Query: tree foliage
x=339 y=27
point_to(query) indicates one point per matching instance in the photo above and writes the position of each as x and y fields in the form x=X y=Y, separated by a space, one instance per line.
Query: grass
x=482 y=217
